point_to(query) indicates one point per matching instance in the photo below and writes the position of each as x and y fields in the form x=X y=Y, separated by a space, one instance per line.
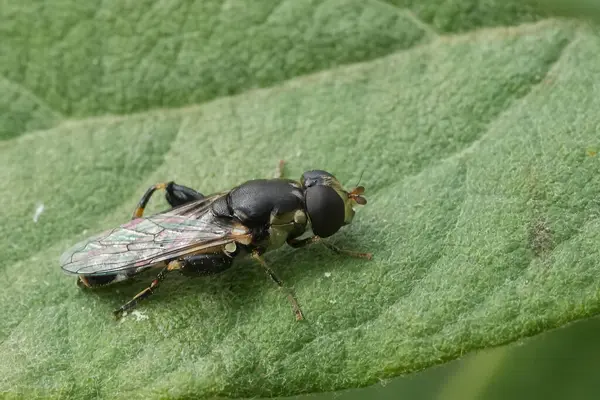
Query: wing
x=145 y=242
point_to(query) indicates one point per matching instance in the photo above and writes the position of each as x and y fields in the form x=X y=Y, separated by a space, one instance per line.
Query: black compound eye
x=326 y=210
x=314 y=177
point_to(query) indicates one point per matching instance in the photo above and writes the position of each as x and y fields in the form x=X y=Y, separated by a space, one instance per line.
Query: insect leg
x=304 y=242
x=290 y=295
x=172 y=266
x=139 y=210
x=176 y=195
x=279 y=171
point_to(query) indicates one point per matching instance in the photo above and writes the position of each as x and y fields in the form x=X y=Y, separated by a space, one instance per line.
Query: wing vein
x=145 y=242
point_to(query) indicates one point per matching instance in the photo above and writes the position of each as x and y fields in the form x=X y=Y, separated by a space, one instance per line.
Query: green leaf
x=76 y=59
x=482 y=214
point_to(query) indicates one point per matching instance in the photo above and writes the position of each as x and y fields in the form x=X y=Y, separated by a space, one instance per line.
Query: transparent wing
x=145 y=242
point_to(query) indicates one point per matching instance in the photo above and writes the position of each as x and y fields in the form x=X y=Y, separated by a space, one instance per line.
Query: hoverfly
x=204 y=234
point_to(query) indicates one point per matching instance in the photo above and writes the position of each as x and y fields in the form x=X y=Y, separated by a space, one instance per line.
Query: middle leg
x=290 y=295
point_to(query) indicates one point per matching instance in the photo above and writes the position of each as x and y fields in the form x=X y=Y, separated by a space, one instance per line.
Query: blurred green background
x=560 y=364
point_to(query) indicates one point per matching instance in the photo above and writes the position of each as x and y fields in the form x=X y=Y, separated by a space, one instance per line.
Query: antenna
x=361 y=175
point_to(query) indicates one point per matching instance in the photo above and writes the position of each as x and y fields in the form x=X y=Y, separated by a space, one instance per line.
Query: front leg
x=176 y=195
x=297 y=243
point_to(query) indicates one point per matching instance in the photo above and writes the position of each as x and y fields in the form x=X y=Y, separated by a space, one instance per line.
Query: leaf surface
x=479 y=159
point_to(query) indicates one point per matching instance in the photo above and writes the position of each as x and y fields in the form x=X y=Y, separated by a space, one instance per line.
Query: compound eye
x=326 y=210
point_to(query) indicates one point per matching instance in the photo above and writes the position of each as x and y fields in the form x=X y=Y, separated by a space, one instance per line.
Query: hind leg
x=176 y=195
x=201 y=264
x=279 y=172
x=174 y=265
